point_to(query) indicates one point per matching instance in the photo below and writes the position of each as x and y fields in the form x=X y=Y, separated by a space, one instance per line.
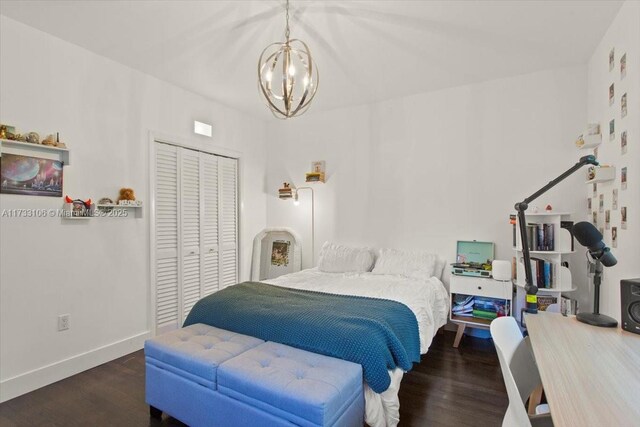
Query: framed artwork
x=601 y=203
x=614 y=199
x=30 y=176
x=612 y=96
x=280 y=253
x=623 y=66
x=623 y=215
x=612 y=58
x=623 y=105
x=623 y=142
x=612 y=129
x=623 y=178
x=589 y=204
x=614 y=237
x=607 y=219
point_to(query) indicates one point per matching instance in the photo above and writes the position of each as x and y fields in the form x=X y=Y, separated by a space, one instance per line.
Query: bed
x=409 y=278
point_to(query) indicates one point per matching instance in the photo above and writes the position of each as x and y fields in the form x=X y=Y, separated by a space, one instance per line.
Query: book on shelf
x=544 y=273
x=544 y=301
x=482 y=314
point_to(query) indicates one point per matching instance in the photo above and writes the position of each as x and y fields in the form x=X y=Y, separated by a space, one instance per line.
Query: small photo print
x=623 y=178
x=614 y=200
x=595 y=218
x=280 y=253
x=612 y=94
x=595 y=189
x=601 y=203
x=623 y=142
x=623 y=215
x=612 y=129
x=612 y=58
x=623 y=105
x=589 y=204
x=623 y=66
x=614 y=237
x=607 y=219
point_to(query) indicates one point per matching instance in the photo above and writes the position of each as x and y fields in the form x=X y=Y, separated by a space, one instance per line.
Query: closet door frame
x=191 y=144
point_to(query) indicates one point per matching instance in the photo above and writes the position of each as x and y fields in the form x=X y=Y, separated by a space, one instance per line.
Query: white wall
x=624 y=36
x=95 y=270
x=427 y=170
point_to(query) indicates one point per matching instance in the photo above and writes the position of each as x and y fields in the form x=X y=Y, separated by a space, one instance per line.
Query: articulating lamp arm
x=521 y=207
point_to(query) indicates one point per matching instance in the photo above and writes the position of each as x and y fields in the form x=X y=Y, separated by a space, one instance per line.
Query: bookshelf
x=555 y=277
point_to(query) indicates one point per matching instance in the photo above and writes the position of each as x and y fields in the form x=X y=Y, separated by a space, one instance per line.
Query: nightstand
x=502 y=291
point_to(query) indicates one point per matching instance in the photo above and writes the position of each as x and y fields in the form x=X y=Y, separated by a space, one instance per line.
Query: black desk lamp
x=530 y=287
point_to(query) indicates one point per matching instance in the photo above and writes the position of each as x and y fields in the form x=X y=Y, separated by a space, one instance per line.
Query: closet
x=196 y=229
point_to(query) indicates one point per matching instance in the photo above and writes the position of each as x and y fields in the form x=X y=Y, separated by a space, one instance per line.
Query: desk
x=591 y=375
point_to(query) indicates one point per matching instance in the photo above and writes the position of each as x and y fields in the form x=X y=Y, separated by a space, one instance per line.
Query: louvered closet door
x=166 y=236
x=210 y=271
x=190 y=228
x=229 y=221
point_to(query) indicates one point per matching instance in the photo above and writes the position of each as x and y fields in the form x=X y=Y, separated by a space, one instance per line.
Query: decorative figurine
x=33 y=138
x=49 y=140
x=126 y=196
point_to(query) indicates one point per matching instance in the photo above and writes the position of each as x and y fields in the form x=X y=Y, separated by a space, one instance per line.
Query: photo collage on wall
x=610 y=215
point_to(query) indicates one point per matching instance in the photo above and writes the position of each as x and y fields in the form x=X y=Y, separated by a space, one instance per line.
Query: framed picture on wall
x=601 y=203
x=614 y=199
x=623 y=142
x=607 y=219
x=623 y=105
x=612 y=95
x=30 y=176
x=612 y=129
x=614 y=237
x=612 y=58
x=623 y=216
x=623 y=66
x=623 y=178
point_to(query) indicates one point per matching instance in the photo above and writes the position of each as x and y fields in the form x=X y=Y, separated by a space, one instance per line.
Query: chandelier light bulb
x=277 y=67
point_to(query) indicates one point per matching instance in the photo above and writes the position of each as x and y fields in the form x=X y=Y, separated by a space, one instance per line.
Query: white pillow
x=415 y=264
x=336 y=258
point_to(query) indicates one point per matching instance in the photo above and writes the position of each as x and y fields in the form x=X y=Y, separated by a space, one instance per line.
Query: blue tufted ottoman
x=304 y=388
x=181 y=369
x=206 y=376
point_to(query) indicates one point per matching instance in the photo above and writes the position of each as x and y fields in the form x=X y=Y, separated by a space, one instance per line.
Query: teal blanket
x=375 y=333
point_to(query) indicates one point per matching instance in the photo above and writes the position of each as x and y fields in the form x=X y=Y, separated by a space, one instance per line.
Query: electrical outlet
x=63 y=322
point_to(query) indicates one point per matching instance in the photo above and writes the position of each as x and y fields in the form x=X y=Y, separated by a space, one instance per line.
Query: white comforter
x=427 y=298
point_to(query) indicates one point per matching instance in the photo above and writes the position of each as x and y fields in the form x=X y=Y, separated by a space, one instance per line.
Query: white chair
x=519 y=371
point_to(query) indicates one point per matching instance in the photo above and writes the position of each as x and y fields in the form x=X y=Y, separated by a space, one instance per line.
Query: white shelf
x=603 y=174
x=571 y=289
x=21 y=147
x=544 y=213
x=589 y=141
x=107 y=206
x=547 y=252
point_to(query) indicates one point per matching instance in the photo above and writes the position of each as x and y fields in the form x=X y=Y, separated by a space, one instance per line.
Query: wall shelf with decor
x=28 y=149
x=601 y=174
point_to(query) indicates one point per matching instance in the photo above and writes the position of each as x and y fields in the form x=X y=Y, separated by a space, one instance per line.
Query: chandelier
x=287 y=76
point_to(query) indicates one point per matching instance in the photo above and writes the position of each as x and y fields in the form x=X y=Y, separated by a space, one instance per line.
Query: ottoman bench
x=206 y=376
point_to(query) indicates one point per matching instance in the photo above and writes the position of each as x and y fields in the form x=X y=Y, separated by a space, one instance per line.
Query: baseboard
x=33 y=380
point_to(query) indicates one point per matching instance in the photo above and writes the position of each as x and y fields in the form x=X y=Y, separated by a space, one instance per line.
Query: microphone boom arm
x=521 y=207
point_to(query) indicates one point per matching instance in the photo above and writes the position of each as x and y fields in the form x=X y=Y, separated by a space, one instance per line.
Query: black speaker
x=630 y=304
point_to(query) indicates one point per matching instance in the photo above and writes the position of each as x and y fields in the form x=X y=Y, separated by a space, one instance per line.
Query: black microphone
x=589 y=237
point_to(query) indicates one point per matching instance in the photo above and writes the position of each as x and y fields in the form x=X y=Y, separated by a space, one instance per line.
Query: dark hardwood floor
x=450 y=387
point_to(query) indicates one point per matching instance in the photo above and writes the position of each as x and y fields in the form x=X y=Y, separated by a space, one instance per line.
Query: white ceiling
x=365 y=50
